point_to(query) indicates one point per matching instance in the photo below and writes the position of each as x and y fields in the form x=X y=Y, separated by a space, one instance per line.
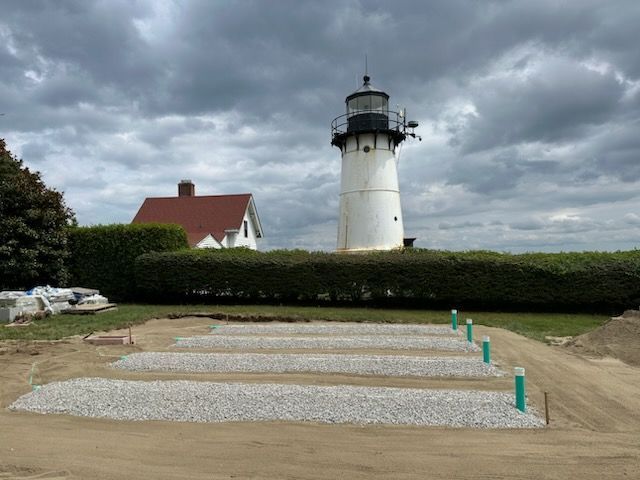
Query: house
x=211 y=221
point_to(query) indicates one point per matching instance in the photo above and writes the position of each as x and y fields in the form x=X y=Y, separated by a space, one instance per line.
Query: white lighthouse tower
x=367 y=136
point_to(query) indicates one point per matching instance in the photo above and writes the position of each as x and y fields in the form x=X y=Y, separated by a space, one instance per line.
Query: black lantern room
x=367 y=108
x=367 y=112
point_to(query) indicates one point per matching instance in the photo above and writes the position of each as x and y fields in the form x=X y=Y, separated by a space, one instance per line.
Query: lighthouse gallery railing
x=382 y=120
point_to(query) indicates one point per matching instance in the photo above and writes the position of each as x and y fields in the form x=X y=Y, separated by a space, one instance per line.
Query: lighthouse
x=368 y=135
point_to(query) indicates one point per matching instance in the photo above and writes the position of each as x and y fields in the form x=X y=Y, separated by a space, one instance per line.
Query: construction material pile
x=21 y=307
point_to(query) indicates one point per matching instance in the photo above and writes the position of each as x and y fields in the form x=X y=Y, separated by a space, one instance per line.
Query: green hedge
x=416 y=278
x=103 y=256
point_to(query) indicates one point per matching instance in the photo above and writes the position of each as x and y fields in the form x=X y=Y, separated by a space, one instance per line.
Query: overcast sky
x=529 y=111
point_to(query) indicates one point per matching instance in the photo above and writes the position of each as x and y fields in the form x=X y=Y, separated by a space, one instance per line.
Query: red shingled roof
x=199 y=216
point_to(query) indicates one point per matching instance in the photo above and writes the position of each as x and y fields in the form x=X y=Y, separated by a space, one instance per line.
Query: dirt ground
x=594 y=431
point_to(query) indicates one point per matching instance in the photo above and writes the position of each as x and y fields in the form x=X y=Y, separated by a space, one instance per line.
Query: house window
x=246 y=229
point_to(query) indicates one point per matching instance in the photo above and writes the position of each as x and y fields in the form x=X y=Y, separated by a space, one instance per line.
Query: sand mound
x=618 y=338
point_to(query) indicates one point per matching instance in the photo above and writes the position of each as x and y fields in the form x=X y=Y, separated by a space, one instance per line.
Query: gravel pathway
x=381 y=365
x=395 y=342
x=189 y=401
x=332 y=329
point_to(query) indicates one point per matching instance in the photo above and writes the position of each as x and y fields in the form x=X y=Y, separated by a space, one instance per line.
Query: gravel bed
x=381 y=365
x=189 y=401
x=395 y=342
x=332 y=329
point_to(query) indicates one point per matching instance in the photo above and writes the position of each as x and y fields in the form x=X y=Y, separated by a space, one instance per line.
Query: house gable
x=208 y=242
x=221 y=217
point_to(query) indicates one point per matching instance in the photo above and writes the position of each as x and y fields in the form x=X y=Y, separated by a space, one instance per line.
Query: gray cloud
x=555 y=103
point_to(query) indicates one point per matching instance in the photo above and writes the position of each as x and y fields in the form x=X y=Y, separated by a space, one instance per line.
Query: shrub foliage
x=33 y=222
x=103 y=256
x=416 y=278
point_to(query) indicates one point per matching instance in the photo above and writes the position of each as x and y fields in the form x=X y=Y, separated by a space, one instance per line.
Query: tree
x=33 y=227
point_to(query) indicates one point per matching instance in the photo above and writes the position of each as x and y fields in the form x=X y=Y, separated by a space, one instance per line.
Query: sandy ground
x=594 y=431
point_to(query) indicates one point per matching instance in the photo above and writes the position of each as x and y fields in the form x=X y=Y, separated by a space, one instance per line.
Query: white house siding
x=208 y=242
x=251 y=240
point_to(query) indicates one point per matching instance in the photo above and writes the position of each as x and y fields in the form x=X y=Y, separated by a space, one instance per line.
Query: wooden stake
x=546 y=407
x=130 y=339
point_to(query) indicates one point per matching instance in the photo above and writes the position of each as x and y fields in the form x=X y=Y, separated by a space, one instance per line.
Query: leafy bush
x=103 y=256
x=33 y=222
x=417 y=278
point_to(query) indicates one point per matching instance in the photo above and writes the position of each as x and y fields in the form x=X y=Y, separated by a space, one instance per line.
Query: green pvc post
x=454 y=320
x=33 y=367
x=486 y=349
x=469 y=330
x=521 y=403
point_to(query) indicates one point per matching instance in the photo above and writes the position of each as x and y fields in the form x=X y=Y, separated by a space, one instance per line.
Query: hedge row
x=417 y=278
x=103 y=256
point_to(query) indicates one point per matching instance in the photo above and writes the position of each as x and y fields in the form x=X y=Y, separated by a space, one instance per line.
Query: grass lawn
x=532 y=325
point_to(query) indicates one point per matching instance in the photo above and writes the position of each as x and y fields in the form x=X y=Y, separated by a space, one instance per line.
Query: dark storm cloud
x=12 y=67
x=98 y=36
x=618 y=152
x=65 y=89
x=529 y=110
x=556 y=103
x=489 y=175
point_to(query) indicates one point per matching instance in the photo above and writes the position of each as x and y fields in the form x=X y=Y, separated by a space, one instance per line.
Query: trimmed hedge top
x=103 y=256
x=413 y=277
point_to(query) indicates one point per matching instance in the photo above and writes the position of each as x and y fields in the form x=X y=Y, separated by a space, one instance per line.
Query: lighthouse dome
x=367 y=87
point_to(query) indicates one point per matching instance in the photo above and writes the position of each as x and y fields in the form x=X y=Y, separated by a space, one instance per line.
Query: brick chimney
x=186 y=188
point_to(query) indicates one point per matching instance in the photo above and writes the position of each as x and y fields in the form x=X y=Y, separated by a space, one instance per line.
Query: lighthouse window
x=353 y=105
x=367 y=102
x=377 y=103
x=246 y=229
x=395 y=219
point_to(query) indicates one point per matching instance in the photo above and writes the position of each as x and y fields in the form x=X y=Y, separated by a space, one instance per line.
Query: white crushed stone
x=189 y=401
x=331 y=329
x=380 y=365
x=394 y=342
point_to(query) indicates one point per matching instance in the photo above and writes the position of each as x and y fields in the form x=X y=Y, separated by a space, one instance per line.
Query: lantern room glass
x=368 y=104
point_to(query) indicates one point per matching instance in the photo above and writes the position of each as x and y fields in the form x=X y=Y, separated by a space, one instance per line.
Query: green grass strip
x=532 y=325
